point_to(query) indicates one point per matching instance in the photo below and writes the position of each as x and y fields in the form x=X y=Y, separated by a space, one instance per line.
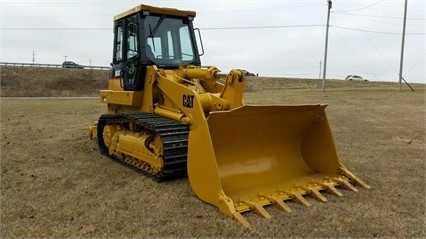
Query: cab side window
x=132 y=36
x=118 y=51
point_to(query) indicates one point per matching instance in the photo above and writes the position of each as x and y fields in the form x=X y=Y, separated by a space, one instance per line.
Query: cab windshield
x=168 y=41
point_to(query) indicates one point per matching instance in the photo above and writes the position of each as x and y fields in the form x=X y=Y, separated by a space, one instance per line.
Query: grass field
x=41 y=81
x=54 y=182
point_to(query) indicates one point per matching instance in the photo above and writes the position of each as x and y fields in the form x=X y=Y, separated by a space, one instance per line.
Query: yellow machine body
x=239 y=157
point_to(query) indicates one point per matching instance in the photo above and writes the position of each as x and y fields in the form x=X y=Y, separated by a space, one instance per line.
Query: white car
x=355 y=77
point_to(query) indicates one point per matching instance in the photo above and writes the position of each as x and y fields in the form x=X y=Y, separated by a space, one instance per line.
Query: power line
x=104 y=28
x=379 y=32
x=261 y=9
x=258 y=27
x=391 y=13
x=110 y=15
x=359 y=9
x=110 y=29
x=205 y=28
x=53 y=2
x=360 y=59
x=412 y=67
x=54 y=29
x=392 y=23
x=387 y=17
x=371 y=42
x=50 y=16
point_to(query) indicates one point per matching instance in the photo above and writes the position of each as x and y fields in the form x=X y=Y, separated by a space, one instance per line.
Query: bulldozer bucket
x=244 y=159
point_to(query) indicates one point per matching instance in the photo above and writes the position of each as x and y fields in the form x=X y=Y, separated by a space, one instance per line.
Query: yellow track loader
x=170 y=116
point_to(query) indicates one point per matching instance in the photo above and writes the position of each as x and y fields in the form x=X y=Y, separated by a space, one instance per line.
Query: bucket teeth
x=237 y=216
x=345 y=183
x=331 y=189
x=299 y=199
x=295 y=193
x=280 y=204
x=316 y=194
x=258 y=209
x=350 y=175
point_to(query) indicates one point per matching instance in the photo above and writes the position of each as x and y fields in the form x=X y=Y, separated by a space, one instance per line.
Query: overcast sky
x=272 y=38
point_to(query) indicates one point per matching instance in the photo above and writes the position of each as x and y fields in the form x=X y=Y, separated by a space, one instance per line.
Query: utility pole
x=326 y=45
x=91 y=69
x=65 y=58
x=33 y=57
x=401 y=63
x=319 y=76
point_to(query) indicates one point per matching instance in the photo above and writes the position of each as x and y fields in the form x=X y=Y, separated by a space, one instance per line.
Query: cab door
x=126 y=60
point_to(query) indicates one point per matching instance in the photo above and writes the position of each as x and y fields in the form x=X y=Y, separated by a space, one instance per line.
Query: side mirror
x=199 y=41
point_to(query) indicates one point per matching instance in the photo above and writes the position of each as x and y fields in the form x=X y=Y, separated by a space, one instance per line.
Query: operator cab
x=148 y=35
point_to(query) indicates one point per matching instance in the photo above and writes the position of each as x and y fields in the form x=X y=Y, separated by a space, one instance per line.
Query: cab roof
x=157 y=10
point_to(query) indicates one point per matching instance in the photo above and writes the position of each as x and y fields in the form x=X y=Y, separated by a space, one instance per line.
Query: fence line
x=50 y=65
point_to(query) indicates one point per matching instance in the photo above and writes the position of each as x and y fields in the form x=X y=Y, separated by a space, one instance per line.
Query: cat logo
x=188 y=101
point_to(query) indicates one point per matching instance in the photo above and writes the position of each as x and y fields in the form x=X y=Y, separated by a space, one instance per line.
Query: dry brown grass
x=54 y=182
x=39 y=81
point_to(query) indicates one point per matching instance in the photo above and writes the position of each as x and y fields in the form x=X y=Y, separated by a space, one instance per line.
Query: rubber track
x=173 y=134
